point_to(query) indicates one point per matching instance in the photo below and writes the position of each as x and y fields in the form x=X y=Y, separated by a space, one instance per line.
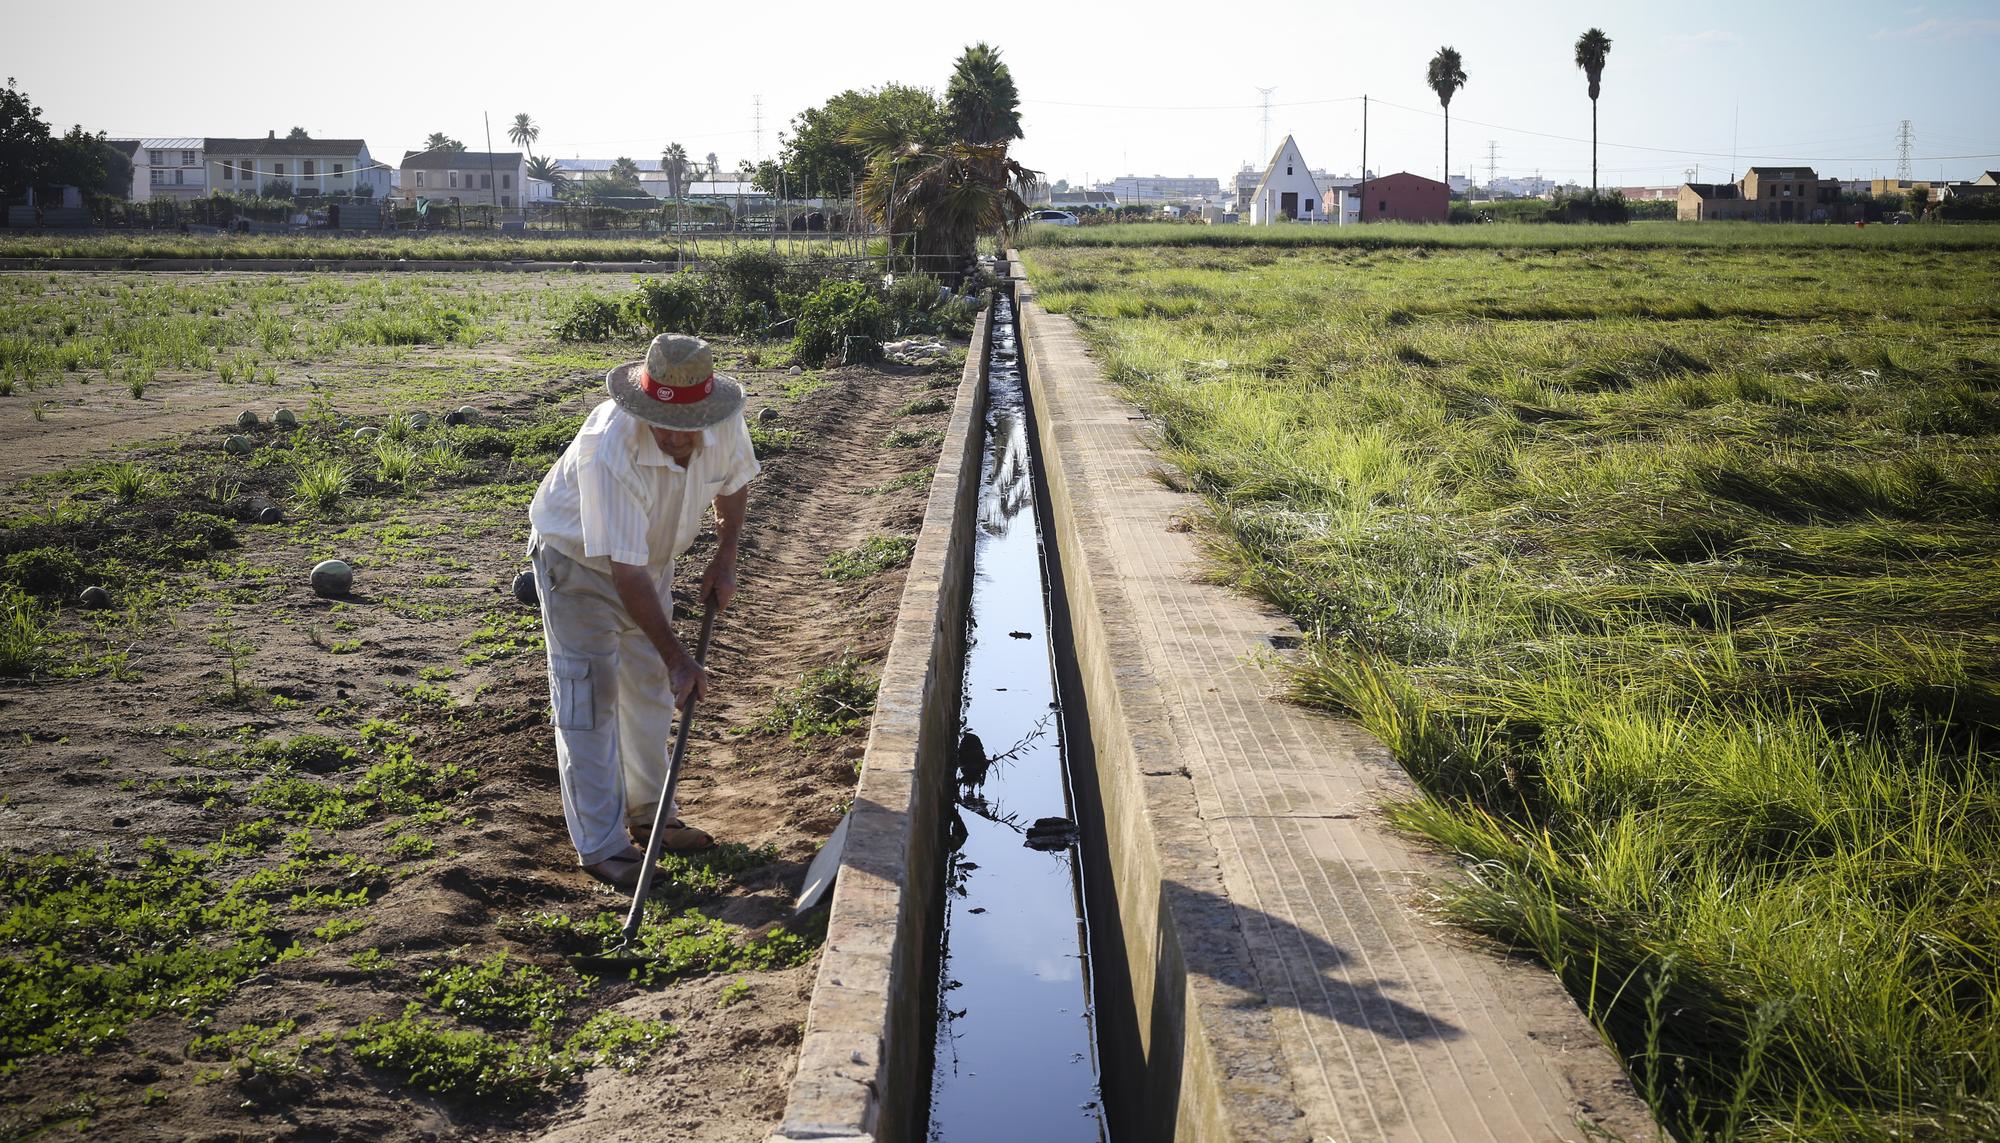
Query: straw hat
x=676 y=386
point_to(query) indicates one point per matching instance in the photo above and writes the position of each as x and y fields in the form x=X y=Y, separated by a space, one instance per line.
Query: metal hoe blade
x=656 y=840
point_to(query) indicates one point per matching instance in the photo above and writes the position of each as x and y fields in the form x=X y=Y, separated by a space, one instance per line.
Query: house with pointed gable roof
x=1288 y=190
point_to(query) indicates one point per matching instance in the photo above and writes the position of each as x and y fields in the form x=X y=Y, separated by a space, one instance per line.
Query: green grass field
x=1525 y=236
x=444 y=246
x=1673 y=575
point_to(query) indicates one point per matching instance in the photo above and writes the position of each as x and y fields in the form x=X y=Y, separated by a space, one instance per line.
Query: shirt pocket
x=571 y=692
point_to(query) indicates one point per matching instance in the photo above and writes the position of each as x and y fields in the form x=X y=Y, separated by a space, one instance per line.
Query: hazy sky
x=1107 y=89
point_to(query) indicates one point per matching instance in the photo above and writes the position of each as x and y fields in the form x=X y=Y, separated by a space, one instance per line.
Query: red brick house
x=1404 y=197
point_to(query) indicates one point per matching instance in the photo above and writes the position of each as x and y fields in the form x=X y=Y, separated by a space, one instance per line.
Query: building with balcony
x=165 y=168
x=311 y=167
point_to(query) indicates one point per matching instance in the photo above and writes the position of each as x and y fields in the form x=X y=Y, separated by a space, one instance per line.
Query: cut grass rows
x=1674 y=578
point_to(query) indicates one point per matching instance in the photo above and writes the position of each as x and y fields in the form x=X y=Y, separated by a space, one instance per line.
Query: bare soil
x=86 y=756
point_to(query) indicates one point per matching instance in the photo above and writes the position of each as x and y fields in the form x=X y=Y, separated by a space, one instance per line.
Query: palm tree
x=1591 y=48
x=1446 y=76
x=524 y=133
x=439 y=141
x=981 y=98
x=674 y=164
x=544 y=168
x=944 y=196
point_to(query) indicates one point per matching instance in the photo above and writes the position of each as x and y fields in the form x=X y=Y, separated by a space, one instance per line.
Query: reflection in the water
x=1015 y=1056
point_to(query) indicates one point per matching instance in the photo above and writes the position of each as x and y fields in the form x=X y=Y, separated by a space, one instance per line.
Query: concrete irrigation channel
x=1229 y=946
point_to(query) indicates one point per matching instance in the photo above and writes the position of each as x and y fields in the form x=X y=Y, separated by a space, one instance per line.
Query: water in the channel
x=1016 y=1056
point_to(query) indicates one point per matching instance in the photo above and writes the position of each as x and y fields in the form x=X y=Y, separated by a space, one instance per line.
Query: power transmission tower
x=1906 y=138
x=1492 y=164
x=1267 y=121
x=757 y=123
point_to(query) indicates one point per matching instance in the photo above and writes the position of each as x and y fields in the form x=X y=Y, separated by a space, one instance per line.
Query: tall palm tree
x=1446 y=76
x=439 y=141
x=674 y=164
x=945 y=196
x=981 y=99
x=1591 y=48
x=524 y=132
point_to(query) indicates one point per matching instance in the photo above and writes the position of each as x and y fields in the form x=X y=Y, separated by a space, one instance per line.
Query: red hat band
x=675 y=394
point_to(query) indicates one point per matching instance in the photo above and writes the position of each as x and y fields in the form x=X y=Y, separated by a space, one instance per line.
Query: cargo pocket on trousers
x=570 y=689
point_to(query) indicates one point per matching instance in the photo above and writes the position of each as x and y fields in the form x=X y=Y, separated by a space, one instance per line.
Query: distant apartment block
x=1159 y=188
x=165 y=168
x=310 y=166
x=1763 y=194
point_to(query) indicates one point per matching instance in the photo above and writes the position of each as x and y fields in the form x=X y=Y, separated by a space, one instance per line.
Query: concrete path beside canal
x=1283 y=983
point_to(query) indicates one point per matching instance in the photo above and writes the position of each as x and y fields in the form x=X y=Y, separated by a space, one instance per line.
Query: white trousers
x=612 y=702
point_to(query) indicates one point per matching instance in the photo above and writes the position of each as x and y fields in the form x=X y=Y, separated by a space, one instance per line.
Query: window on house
x=1288 y=168
x=339 y=169
x=420 y=177
x=159 y=176
x=306 y=168
x=180 y=177
x=506 y=182
x=228 y=171
x=187 y=158
x=486 y=181
x=156 y=158
x=277 y=170
x=1382 y=205
x=1309 y=206
x=454 y=180
x=506 y=200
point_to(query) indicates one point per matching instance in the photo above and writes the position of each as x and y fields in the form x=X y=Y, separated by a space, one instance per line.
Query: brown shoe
x=679 y=837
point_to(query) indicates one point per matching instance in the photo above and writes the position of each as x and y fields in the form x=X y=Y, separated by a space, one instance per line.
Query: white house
x=311 y=166
x=165 y=168
x=1287 y=190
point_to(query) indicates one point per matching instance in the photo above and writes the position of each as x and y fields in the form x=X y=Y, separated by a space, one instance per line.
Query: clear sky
x=1107 y=89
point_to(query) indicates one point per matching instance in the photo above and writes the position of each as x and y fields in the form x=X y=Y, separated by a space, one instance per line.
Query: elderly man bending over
x=627 y=497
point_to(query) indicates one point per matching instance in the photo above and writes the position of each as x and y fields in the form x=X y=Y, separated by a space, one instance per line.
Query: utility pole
x=1267 y=121
x=1906 y=138
x=1363 y=212
x=492 y=176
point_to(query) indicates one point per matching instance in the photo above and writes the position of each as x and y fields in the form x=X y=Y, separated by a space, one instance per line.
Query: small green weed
x=914 y=438
x=501 y=992
x=323 y=484
x=876 y=554
x=733 y=993
x=832 y=699
x=924 y=406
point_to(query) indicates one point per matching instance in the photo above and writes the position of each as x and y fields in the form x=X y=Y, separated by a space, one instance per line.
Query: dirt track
x=104 y=761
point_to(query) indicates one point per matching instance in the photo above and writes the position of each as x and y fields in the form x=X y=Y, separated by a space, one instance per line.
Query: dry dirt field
x=280 y=866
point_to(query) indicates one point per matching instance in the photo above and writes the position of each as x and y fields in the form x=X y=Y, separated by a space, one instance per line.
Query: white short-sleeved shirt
x=614 y=495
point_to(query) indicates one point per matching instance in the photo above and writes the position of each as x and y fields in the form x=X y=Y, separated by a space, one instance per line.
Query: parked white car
x=1053 y=217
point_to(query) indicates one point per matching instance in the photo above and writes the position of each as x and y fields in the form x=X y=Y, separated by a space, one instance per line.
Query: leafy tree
x=1445 y=76
x=981 y=99
x=769 y=176
x=620 y=181
x=439 y=141
x=524 y=132
x=297 y=135
x=278 y=188
x=24 y=143
x=1591 y=49
x=674 y=164
x=818 y=151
